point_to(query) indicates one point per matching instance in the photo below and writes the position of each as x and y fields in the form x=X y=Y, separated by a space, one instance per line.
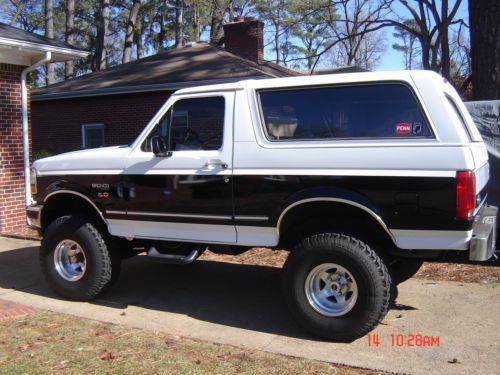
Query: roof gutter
x=24 y=116
x=15 y=43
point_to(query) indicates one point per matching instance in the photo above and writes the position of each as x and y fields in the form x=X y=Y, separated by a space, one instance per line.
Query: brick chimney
x=245 y=37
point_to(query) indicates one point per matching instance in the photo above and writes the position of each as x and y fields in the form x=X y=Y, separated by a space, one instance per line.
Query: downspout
x=24 y=116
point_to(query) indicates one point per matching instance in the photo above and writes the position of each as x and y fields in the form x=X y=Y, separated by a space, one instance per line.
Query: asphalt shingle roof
x=185 y=66
x=10 y=32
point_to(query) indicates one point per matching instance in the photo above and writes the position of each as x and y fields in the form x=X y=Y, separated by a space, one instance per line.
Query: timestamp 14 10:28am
x=402 y=340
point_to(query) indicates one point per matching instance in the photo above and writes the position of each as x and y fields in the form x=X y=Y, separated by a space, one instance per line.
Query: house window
x=92 y=135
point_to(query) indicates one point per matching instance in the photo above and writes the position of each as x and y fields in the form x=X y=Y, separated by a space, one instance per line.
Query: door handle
x=216 y=163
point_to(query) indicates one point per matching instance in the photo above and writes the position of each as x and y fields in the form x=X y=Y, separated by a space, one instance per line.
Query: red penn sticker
x=403 y=128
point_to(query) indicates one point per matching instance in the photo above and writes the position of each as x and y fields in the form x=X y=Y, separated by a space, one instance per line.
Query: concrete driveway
x=242 y=305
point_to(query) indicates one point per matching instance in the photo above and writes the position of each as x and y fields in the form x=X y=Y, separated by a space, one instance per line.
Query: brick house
x=112 y=106
x=19 y=51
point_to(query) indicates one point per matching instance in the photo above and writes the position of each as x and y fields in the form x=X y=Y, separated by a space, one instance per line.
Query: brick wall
x=57 y=123
x=12 y=206
x=245 y=39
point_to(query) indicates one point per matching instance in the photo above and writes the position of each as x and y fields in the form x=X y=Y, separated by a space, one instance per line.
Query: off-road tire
x=102 y=267
x=372 y=277
x=403 y=269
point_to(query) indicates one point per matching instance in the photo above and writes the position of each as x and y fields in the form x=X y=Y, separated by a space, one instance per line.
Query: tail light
x=466 y=194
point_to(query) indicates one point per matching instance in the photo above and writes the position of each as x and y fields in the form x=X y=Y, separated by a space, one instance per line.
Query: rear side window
x=459 y=116
x=343 y=112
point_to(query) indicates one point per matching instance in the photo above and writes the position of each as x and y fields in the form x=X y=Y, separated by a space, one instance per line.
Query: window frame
x=267 y=137
x=171 y=107
x=92 y=125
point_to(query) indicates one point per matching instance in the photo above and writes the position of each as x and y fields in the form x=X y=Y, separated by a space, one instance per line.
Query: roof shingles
x=182 y=67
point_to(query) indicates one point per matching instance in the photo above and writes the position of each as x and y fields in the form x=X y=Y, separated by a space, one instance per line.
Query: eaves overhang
x=171 y=86
x=18 y=52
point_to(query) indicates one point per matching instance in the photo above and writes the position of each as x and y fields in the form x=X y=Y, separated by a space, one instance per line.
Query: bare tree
x=431 y=29
x=485 y=49
x=129 y=34
x=179 y=23
x=50 y=77
x=460 y=60
x=19 y=8
x=407 y=45
x=102 y=31
x=355 y=39
x=69 y=36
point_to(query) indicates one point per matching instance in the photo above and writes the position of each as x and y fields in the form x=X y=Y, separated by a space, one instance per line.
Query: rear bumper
x=484 y=233
x=33 y=216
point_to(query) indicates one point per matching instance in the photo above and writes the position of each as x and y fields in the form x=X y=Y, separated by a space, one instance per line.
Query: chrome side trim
x=78 y=194
x=337 y=200
x=193 y=216
x=432 y=239
x=198 y=216
x=251 y=218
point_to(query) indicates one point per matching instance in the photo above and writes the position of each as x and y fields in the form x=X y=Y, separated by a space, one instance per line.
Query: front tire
x=75 y=259
x=337 y=287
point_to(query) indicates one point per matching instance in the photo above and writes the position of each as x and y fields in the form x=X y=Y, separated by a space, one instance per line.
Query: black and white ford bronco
x=360 y=176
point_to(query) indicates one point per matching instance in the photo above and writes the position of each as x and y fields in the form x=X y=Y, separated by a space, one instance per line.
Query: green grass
x=48 y=343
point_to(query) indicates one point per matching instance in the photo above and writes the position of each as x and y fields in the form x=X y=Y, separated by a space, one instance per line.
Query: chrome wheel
x=331 y=290
x=69 y=260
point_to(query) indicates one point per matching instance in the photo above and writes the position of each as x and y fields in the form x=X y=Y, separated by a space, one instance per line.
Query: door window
x=191 y=124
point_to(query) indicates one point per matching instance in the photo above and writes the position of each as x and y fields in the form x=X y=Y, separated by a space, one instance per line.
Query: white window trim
x=92 y=125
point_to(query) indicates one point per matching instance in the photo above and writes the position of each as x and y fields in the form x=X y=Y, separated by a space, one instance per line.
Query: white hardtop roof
x=327 y=79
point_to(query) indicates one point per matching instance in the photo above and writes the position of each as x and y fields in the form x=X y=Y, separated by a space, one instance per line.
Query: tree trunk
x=277 y=41
x=129 y=36
x=101 y=35
x=179 y=23
x=216 y=30
x=196 y=25
x=485 y=49
x=445 y=46
x=70 y=36
x=426 y=53
x=50 y=77
x=163 y=32
x=230 y=8
x=139 y=32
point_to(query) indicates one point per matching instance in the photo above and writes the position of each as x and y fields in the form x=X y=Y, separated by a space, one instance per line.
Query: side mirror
x=159 y=146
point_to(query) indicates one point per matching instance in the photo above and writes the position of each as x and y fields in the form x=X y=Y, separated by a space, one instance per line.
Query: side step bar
x=172 y=259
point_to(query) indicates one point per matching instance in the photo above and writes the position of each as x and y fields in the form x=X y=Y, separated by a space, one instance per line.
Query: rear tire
x=75 y=259
x=358 y=286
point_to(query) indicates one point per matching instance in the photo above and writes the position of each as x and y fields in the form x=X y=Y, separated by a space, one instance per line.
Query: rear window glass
x=459 y=115
x=358 y=111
